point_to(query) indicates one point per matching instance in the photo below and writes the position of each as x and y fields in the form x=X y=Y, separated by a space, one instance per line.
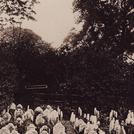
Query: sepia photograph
x=66 y=66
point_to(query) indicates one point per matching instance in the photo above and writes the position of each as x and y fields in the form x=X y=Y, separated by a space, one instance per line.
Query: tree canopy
x=108 y=24
x=94 y=59
x=14 y=11
x=22 y=60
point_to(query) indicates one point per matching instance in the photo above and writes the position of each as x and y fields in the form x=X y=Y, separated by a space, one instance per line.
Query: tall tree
x=108 y=24
x=23 y=59
x=13 y=12
x=94 y=58
x=26 y=48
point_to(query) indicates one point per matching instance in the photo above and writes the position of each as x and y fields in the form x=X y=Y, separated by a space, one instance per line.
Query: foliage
x=14 y=11
x=22 y=59
x=8 y=77
x=89 y=63
x=26 y=48
x=108 y=24
x=94 y=58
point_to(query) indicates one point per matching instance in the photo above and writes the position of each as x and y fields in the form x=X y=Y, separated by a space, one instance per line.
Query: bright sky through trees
x=55 y=19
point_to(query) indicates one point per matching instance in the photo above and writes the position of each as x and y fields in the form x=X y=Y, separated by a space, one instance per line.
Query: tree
x=14 y=11
x=95 y=76
x=108 y=24
x=8 y=76
x=26 y=48
x=23 y=56
x=94 y=57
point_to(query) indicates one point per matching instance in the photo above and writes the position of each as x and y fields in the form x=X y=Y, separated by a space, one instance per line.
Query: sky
x=55 y=19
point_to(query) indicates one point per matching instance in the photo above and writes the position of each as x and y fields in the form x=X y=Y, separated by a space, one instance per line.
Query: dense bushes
x=95 y=75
